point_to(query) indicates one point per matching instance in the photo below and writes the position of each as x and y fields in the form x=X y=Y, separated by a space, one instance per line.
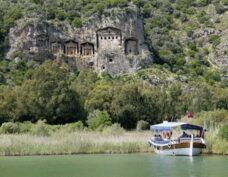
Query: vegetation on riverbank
x=65 y=141
x=216 y=124
x=90 y=142
x=43 y=139
x=60 y=95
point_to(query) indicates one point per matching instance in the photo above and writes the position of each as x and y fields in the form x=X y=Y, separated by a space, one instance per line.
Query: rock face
x=220 y=56
x=113 y=43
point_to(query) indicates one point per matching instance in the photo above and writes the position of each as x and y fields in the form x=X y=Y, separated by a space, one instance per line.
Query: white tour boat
x=177 y=138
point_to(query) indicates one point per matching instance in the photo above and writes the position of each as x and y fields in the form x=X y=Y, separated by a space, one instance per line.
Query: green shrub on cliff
x=214 y=40
x=225 y=2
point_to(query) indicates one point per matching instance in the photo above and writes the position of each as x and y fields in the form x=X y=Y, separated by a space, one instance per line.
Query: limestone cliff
x=112 y=43
x=218 y=55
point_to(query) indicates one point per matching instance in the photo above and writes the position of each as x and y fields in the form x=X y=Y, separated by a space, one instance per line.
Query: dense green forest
x=59 y=94
x=52 y=91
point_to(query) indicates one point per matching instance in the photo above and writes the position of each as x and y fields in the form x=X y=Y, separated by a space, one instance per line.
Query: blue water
x=133 y=165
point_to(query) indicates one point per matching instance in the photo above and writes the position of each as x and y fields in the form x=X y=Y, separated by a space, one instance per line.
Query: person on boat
x=157 y=136
x=184 y=134
x=170 y=135
x=167 y=135
x=164 y=135
x=189 y=114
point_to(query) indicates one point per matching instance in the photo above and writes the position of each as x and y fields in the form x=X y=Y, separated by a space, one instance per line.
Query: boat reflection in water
x=177 y=138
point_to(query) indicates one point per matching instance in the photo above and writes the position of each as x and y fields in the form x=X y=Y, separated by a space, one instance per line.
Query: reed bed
x=79 y=142
x=215 y=144
x=43 y=139
x=212 y=121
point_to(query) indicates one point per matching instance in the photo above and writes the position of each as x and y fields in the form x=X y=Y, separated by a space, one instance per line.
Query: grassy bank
x=79 y=142
x=43 y=139
x=214 y=122
x=215 y=144
x=88 y=142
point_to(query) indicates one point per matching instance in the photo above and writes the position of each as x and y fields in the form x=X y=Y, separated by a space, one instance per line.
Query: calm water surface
x=134 y=165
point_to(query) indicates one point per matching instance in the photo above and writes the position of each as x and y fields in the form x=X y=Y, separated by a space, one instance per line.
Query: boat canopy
x=168 y=126
x=191 y=127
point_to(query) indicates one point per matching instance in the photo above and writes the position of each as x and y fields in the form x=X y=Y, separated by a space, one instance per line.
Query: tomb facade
x=87 y=49
x=109 y=37
x=42 y=41
x=71 y=48
x=56 y=47
x=131 y=46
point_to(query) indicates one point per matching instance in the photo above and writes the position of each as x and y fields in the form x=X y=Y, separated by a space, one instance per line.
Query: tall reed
x=212 y=121
x=77 y=142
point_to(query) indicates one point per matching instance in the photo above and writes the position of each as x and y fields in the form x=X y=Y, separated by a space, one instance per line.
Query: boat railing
x=196 y=140
x=174 y=140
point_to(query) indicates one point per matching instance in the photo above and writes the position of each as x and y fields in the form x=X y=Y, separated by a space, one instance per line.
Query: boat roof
x=168 y=126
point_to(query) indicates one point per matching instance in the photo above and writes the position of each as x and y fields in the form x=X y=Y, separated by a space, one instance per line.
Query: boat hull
x=179 y=149
x=180 y=152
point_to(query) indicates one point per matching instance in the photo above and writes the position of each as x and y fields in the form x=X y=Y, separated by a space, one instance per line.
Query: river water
x=133 y=165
